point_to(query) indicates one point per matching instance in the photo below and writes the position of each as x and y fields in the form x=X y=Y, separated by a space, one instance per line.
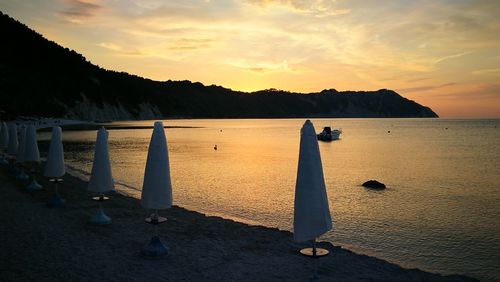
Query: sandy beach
x=58 y=244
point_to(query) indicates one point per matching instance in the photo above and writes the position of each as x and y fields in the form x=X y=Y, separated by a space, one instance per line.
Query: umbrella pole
x=56 y=200
x=156 y=225
x=21 y=175
x=155 y=248
x=100 y=218
x=314 y=253
x=34 y=184
x=315 y=276
x=12 y=164
x=2 y=158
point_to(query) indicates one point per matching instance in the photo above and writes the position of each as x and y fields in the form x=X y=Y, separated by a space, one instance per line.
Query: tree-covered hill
x=41 y=78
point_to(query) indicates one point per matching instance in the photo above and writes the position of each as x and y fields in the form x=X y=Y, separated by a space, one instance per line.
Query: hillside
x=40 y=77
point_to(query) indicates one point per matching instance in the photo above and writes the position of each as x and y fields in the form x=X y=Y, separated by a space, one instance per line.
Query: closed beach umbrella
x=311 y=213
x=4 y=141
x=21 y=175
x=13 y=145
x=55 y=160
x=4 y=136
x=32 y=156
x=54 y=168
x=157 y=188
x=101 y=180
x=22 y=143
x=31 y=153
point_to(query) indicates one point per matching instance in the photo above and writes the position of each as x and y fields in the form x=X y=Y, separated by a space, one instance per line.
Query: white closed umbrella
x=54 y=168
x=21 y=175
x=157 y=187
x=31 y=152
x=311 y=212
x=13 y=145
x=32 y=155
x=22 y=142
x=4 y=136
x=12 y=148
x=101 y=179
x=4 y=141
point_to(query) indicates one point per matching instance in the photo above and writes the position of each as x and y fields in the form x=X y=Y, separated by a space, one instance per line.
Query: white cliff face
x=89 y=110
x=148 y=111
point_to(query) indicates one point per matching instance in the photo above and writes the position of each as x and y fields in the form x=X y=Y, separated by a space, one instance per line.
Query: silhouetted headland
x=42 y=78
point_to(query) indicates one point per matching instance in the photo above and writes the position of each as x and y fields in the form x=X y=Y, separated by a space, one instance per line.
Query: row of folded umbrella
x=311 y=210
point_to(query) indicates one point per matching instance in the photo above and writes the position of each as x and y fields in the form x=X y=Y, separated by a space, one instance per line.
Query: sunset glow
x=442 y=54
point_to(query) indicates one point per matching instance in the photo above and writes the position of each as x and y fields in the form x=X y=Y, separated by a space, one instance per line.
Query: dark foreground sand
x=38 y=243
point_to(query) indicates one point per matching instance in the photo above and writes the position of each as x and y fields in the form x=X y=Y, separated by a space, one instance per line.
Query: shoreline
x=48 y=244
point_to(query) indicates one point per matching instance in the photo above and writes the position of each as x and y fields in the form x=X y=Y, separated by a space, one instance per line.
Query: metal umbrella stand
x=21 y=175
x=100 y=218
x=155 y=248
x=314 y=253
x=56 y=200
x=34 y=185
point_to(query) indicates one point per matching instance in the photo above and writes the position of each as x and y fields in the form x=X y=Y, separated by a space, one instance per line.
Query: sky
x=444 y=54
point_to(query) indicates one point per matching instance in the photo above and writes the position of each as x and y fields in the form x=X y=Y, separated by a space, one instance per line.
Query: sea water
x=440 y=211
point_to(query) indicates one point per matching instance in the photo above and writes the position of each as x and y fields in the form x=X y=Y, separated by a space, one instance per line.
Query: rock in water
x=374 y=184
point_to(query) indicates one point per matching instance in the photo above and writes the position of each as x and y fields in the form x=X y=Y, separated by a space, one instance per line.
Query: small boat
x=329 y=135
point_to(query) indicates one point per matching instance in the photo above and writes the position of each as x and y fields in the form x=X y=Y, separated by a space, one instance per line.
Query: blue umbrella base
x=56 y=201
x=33 y=186
x=12 y=169
x=22 y=176
x=155 y=248
x=100 y=218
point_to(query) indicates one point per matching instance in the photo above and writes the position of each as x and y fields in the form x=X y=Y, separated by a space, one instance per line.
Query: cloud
x=318 y=8
x=473 y=92
x=451 y=57
x=418 y=79
x=184 y=44
x=425 y=88
x=120 y=49
x=261 y=67
x=79 y=10
x=486 y=72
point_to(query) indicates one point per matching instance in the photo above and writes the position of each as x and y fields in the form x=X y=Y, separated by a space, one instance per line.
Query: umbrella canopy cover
x=311 y=212
x=55 y=160
x=31 y=152
x=13 y=145
x=157 y=187
x=4 y=136
x=22 y=144
x=101 y=179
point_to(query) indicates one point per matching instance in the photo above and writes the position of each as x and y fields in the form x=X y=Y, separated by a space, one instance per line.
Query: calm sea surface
x=440 y=212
